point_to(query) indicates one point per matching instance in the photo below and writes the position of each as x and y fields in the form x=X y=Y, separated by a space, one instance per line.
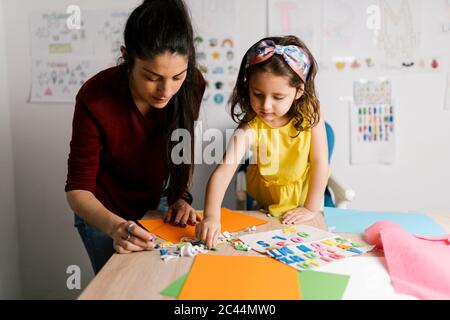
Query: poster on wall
x=400 y=32
x=296 y=17
x=107 y=30
x=51 y=35
x=217 y=55
x=379 y=35
x=59 y=79
x=64 y=56
x=348 y=40
x=372 y=123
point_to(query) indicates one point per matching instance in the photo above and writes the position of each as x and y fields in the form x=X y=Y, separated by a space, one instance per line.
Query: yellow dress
x=280 y=178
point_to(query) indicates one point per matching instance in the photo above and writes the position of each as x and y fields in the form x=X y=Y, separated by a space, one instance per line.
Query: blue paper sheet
x=356 y=221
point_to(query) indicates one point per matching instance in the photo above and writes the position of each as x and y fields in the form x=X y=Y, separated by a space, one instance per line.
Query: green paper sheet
x=174 y=289
x=318 y=285
x=314 y=285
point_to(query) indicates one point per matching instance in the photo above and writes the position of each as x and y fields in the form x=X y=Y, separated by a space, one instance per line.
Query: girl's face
x=271 y=97
x=154 y=82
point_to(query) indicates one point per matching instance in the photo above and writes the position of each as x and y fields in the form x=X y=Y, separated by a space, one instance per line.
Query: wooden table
x=143 y=275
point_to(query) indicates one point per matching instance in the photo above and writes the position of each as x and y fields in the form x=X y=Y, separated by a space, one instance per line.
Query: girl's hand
x=208 y=231
x=181 y=213
x=128 y=237
x=298 y=215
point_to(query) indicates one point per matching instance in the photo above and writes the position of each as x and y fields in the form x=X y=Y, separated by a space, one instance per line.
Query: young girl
x=280 y=120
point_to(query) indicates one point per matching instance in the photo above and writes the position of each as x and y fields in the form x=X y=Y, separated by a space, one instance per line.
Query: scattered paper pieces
x=230 y=220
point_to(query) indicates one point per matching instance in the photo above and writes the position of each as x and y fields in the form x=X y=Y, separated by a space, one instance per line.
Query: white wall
x=41 y=133
x=9 y=246
x=418 y=179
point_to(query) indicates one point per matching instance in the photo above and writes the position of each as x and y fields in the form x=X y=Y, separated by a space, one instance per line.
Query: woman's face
x=154 y=82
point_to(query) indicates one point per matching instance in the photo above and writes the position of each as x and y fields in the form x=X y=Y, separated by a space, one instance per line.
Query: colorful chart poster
x=372 y=121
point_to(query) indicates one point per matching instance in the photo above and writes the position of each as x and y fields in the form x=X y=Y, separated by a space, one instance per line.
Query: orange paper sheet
x=214 y=277
x=231 y=221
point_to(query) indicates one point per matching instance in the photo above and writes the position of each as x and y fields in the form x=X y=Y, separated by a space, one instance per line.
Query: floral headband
x=294 y=56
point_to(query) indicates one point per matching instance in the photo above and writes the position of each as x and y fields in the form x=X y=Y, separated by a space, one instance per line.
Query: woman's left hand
x=181 y=214
x=298 y=215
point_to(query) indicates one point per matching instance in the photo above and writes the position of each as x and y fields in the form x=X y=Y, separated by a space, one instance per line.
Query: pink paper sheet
x=419 y=266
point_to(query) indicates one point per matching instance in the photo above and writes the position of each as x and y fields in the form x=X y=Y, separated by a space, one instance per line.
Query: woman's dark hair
x=307 y=107
x=153 y=28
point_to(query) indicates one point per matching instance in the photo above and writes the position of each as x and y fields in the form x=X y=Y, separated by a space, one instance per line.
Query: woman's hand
x=129 y=237
x=298 y=215
x=181 y=213
x=208 y=231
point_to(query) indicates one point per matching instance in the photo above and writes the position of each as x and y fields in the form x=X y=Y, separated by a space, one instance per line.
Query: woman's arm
x=241 y=141
x=91 y=210
x=81 y=182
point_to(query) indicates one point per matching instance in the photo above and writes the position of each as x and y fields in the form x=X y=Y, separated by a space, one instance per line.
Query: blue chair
x=336 y=193
x=328 y=198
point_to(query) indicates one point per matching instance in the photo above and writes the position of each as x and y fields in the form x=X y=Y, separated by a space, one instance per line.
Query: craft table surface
x=143 y=275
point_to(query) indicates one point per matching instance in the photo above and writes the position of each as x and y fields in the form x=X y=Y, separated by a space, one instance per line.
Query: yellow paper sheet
x=214 y=277
x=231 y=221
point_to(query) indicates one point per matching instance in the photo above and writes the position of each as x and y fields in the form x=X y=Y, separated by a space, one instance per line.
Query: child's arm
x=318 y=158
x=209 y=229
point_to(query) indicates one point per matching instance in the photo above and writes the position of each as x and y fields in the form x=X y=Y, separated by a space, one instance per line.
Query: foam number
x=274 y=254
x=285 y=251
x=297 y=240
x=320 y=249
x=289 y=230
x=317 y=246
x=303 y=248
x=291 y=259
x=263 y=244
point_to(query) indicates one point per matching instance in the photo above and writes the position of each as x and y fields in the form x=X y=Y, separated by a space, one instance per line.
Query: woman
x=119 y=163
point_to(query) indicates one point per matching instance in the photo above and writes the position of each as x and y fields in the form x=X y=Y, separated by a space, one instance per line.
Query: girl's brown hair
x=305 y=110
